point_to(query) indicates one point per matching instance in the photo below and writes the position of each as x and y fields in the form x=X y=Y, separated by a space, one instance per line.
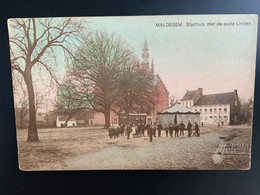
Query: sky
x=216 y=58
x=213 y=52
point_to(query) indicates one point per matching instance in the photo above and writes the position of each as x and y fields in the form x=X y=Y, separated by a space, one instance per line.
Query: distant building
x=61 y=120
x=84 y=117
x=213 y=108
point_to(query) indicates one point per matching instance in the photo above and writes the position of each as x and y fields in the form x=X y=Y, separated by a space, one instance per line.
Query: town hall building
x=213 y=108
x=161 y=99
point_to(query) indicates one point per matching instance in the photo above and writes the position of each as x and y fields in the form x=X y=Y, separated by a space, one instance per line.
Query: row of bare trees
x=103 y=74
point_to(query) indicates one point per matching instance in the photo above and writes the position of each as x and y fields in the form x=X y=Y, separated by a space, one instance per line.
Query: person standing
x=171 y=129
x=128 y=130
x=176 y=128
x=167 y=131
x=151 y=133
x=148 y=129
x=159 y=129
x=197 y=130
x=154 y=130
x=134 y=130
x=182 y=127
x=189 y=129
x=143 y=128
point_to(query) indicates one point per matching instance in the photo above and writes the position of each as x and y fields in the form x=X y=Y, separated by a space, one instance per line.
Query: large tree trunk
x=32 y=128
x=107 y=118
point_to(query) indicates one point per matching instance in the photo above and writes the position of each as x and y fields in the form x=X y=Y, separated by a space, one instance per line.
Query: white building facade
x=61 y=120
x=212 y=114
x=222 y=108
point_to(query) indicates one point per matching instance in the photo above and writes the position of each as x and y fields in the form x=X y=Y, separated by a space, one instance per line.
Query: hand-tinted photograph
x=173 y=92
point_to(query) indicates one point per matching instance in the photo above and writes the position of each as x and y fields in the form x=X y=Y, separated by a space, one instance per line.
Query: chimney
x=200 y=91
x=235 y=91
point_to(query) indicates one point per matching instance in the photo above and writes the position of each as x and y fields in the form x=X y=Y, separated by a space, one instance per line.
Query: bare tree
x=32 y=45
x=96 y=71
x=173 y=100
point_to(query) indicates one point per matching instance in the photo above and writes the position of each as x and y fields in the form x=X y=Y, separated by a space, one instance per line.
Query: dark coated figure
x=197 y=130
x=143 y=129
x=189 y=129
x=182 y=127
x=171 y=128
x=128 y=130
x=148 y=129
x=167 y=131
x=154 y=130
x=159 y=126
x=176 y=128
x=151 y=133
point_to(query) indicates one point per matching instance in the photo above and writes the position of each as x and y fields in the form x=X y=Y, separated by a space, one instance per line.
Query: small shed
x=176 y=114
x=61 y=120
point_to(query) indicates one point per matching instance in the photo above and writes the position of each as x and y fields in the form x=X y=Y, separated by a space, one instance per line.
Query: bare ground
x=91 y=148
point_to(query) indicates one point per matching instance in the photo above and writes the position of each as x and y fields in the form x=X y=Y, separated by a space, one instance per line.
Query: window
x=220 y=110
x=210 y=110
x=236 y=103
x=195 y=110
x=225 y=110
x=205 y=110
x=215 y=110
x=210 y=117
x=205 y=118
x=200 y=110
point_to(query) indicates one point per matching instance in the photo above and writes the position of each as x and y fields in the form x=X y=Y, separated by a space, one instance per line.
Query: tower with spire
x=145 y=56
x=161 y=94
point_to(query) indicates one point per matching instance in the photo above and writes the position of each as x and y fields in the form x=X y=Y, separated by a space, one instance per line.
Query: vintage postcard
x=134 y=92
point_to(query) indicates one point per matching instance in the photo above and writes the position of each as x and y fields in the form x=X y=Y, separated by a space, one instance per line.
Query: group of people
x=151 y=129
x=179 y=129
